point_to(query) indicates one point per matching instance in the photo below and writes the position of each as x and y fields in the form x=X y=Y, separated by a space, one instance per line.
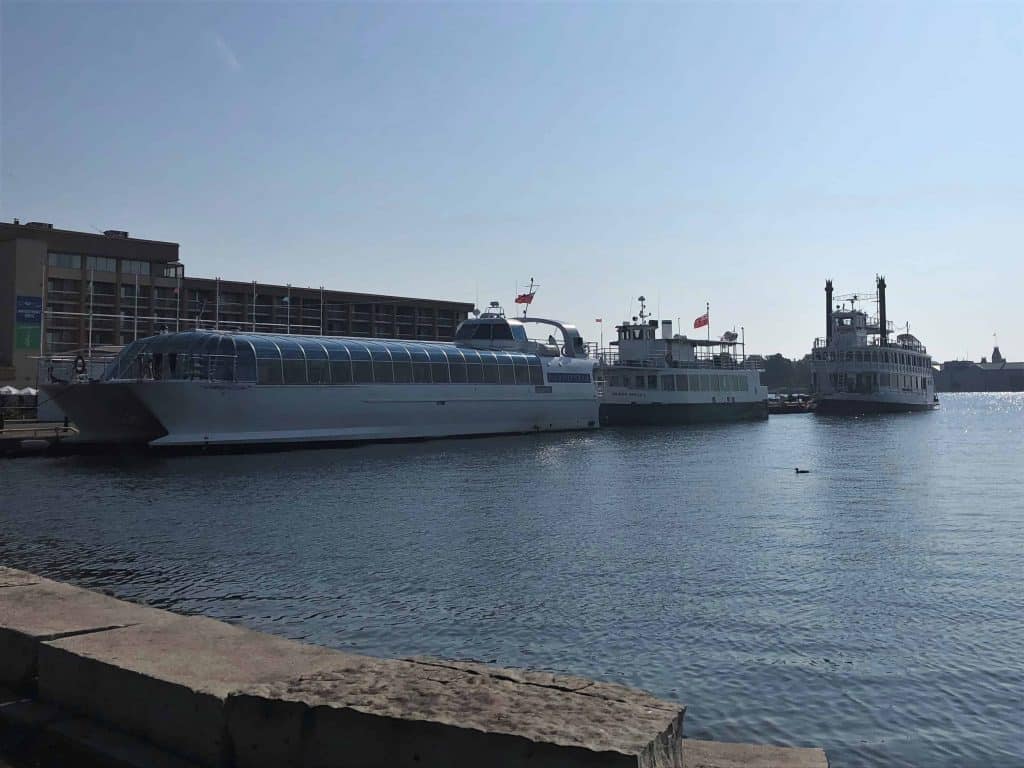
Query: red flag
x=524 y=298
x=701 y=321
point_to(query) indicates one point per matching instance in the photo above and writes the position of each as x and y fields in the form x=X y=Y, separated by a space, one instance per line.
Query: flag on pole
x=701 y=321
x=524 y=298
x=597 y=319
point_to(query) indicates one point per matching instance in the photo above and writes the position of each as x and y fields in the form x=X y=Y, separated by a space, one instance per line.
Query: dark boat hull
x=829 y=406
x=661 y=414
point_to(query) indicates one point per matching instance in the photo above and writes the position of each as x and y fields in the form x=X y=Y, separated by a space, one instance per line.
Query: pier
x=102 y=681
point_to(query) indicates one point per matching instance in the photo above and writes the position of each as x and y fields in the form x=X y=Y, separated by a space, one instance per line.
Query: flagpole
x=216 y=307
x=254 y=306
x=707 y=311
x=288 y=311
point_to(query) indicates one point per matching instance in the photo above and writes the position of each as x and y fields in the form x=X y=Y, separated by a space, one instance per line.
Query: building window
x=101 y=263
x=64 y=260
x=134 y=267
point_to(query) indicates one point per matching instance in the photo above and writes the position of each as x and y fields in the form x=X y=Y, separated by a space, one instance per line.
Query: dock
x=99 y=681
x=25 y=437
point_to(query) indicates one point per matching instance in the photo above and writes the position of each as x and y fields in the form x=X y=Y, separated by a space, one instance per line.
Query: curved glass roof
x=274 y=359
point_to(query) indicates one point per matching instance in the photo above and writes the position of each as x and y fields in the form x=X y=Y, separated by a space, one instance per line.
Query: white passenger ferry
x=203 y=388
x=647 y=380
x=856 y=369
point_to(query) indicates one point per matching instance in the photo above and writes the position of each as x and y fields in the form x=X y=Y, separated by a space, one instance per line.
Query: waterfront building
x=999 y=375
x=62 y=291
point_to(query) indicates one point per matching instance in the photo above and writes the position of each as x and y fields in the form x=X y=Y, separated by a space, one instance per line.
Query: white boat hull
x=191 y=413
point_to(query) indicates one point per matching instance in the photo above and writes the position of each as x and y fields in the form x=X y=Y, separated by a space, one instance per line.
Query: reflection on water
x=873 y=606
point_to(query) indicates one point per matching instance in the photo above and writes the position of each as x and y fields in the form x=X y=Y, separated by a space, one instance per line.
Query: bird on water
x=801 y=471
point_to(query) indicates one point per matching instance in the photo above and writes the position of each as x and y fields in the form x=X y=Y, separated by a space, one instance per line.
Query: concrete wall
x=220 y=695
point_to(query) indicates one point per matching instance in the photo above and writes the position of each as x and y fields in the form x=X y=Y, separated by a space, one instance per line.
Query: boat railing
x=703 y=359
x=65 y=368
x=876 y=343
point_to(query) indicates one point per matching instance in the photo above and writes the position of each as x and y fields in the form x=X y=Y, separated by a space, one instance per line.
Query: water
x=874 y=606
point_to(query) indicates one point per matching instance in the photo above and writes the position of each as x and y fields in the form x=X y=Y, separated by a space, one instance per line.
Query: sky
x=731 y=153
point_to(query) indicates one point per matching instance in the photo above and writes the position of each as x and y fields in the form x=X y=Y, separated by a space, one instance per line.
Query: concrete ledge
x=719 y=754
x=167 y=681
x=34 y=610
x=419 y=712
x=201 y=692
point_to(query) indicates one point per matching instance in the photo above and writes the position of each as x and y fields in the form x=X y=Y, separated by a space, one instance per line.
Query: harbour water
x=872 y=606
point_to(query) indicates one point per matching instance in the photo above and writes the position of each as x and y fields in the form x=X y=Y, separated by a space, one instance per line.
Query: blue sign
x=28 y=310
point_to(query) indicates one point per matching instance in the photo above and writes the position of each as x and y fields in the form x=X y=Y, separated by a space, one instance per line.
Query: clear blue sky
x=732 y=153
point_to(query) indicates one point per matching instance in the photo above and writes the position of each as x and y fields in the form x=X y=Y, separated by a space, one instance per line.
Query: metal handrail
x=610 y=356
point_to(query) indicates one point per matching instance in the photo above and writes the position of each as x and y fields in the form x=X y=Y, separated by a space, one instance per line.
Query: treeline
x=781 y=373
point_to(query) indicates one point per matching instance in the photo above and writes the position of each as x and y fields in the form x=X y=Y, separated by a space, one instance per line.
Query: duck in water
x=801 y=471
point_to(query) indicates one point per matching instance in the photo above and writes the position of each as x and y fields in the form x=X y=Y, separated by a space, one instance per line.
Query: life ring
x=79 y=365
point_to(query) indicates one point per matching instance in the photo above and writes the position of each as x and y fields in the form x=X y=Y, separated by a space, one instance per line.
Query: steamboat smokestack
x=883 y=326
x=828 y=312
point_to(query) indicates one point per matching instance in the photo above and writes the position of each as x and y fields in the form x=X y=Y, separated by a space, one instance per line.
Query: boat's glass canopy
x=271 y=359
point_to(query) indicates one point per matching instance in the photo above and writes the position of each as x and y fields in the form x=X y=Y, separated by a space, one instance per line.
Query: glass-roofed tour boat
x=199 y=388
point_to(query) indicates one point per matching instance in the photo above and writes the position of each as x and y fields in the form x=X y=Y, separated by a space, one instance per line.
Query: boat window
x=341 y=368
x=293 y=360
x=490 y=363
x=362 y=367
x=501 y=332
x=440 y=371
x=536 y=372
x=482 y=332
x=474 y=368
x=519 y=333
x=668 y=383
x=383 y=373
x=401 y=360
x=522 y=369
x=317 y=365
x=456 y=365
x=268 y=371
x=245 y=361
x=420 y=365
x=465 y=331
x=506 y=369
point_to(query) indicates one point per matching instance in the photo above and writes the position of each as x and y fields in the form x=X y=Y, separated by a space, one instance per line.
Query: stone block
x=12 y=577
x=32 y=612
x=167 y=681
x=719 y=754
x=419 y=712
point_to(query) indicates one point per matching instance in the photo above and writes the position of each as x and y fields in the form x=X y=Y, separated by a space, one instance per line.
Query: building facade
x=63 y=291
x=968 y=376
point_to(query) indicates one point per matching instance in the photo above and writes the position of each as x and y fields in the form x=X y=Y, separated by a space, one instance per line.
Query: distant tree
x=781 y=373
